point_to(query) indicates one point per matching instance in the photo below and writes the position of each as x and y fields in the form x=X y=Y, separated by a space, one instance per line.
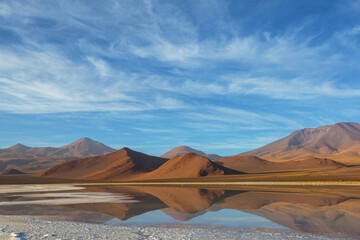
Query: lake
x=321 y=210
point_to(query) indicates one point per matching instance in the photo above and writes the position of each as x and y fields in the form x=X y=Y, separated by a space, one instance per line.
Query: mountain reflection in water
x=312 y=209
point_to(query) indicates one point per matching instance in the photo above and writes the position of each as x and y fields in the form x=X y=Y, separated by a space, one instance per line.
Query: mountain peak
x=83 y=140
x=84 y=147
x=19 y=147
x=188 y=165
x=340 y=141
x=125 y=151
x=181 y=150
x=123 y=163
x=184 y=147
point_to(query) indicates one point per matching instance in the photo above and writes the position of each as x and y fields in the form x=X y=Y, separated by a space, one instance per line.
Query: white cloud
x=101 y=66
x=45 y=82
x=4 y=10
x=296 y=89
x=169 y=103
x=168 y=52
x=152 y=130
x=293 y=89
x=40 y=76
x=222 y=119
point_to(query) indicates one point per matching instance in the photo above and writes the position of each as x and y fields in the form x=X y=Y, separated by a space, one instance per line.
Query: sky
x=222 y=76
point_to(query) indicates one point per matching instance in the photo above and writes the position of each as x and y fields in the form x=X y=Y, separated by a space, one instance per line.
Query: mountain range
x=31 y=159
x=189 y=165
x=126 y=164
x=334 y=146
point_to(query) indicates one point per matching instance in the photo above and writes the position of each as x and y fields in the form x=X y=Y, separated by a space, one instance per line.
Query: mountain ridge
x=253 y=164
x=340 y=142
x=189 y=165
x=123 y=163
x=31 y=159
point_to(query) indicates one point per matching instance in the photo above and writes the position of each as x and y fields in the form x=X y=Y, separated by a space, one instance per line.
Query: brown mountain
x=20 y=148
x=340 y=142
x=181 y=150
x=189 y=165
x=310 y=162
x=12 y=171
x=32 y=159
x=246 y=163
x=255 y=164
x=124 y=163
x=84 y=147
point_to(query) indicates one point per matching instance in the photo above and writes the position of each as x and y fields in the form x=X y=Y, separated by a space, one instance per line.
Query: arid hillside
x=340 y=142
x=189 y=165
x=30 y=159
x=122 y=164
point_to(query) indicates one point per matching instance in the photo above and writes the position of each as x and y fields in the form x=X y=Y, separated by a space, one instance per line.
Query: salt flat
x=29 y=228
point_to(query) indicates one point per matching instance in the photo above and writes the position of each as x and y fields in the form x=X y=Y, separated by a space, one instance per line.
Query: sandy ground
x=23 y=228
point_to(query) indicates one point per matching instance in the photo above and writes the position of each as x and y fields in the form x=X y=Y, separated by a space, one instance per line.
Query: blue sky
x=220 y=76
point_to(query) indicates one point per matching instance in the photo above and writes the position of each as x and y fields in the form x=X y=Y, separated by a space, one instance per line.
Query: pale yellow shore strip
x=345 y=183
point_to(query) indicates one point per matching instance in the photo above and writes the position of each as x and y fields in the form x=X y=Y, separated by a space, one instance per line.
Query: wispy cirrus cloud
x=46 y=82
x=209 y=68
x=172 y=39
x=152 y=130
x=225 y=118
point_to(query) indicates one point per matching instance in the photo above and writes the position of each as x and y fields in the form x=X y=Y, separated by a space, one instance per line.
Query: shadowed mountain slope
x=124 y=163
x=12 y=171
x=340 y=142
x=255 y=164
x=181 y=150
x=189 y=165
x=245 y=163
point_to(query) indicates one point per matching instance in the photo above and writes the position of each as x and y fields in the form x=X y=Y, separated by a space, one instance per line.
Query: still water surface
x=320 y=210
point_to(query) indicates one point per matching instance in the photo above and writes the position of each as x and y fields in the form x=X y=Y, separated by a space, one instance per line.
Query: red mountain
x=340 y=142
x=122 y=164
x=83 y=147
x=189 y=165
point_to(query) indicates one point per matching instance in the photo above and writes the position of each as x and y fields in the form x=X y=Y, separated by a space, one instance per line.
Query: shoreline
x=312 y=183
x=195 y=184
x=31 y=228
x=183 y=182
